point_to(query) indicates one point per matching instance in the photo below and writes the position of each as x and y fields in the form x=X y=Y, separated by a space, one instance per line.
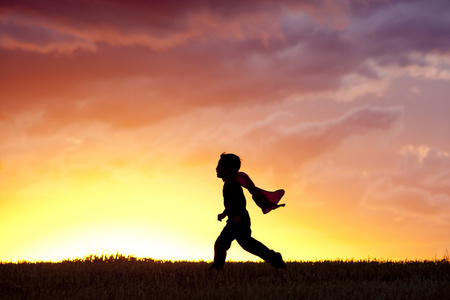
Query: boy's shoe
x=277 y=261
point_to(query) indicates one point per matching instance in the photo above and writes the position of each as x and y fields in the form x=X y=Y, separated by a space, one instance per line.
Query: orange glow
x=113 y=117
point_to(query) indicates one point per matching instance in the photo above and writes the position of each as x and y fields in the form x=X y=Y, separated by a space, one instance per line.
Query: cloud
x=303 y=142
x=403 y=200
x=158 y=26
x=31 y=33
x=417 y=188
x=202 y=55
x=431 y=67
x=397 y=28
x=382 y=203
x=424 y=167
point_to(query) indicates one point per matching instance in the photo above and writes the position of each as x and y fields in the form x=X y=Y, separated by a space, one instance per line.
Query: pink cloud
x=418 y=188
x=424 y=167
x=403 y=200
x=303 y=142
x=35 y=34
x=46 y=27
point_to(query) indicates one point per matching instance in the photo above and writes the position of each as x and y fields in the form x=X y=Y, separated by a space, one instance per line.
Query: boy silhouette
x=238 y=222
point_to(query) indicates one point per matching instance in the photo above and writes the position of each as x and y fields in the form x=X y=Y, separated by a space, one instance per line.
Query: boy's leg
x=255 y=247
x=221 y=246
x=259 y=249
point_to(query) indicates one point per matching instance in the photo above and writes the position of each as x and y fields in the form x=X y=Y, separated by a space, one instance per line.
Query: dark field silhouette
x=120 y=277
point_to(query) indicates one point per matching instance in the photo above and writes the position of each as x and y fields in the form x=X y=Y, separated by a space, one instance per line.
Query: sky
x=113 y=116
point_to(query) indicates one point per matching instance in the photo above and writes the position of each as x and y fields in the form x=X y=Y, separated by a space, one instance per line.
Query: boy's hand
x=221 y=216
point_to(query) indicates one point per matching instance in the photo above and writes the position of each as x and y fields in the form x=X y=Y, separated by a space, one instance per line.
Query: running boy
x=238 y=222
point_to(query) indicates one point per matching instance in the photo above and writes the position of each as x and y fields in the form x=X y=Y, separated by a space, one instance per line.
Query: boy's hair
x=230 y=162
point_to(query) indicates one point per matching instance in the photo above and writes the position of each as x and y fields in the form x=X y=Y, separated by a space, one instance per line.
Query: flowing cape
x=264 y=199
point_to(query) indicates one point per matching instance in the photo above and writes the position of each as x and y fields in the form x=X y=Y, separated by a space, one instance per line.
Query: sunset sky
x=113 y=115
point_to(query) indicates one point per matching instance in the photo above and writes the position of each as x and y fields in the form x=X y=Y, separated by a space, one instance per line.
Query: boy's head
x=229 y=164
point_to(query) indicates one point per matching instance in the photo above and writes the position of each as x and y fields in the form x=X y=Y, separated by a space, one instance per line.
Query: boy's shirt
x=234 y=199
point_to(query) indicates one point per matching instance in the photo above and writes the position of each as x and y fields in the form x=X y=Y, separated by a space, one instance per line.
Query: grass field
x=120 y=277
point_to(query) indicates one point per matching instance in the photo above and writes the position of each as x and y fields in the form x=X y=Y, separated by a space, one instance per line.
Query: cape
x=266 y=200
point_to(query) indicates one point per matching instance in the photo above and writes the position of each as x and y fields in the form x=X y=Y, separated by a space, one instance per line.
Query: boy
x=238 y=222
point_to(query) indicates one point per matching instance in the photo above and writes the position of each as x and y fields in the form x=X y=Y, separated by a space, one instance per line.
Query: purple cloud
x=243 y=53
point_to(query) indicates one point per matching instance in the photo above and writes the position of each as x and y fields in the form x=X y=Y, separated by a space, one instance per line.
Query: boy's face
x=221 y=172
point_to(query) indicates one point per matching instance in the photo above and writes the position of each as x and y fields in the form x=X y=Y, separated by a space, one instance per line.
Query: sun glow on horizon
x=170 y=214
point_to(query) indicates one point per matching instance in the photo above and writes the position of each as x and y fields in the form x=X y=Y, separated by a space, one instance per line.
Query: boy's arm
x=222 y=215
